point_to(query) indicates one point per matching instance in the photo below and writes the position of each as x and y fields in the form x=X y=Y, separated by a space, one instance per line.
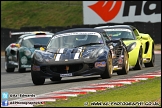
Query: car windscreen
x=74 y=39
x=29 y=42
x=124 y=34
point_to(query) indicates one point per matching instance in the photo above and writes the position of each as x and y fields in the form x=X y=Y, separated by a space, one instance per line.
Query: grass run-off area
x=143 y=93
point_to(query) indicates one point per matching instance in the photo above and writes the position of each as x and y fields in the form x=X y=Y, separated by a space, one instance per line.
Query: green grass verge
x=41 y=13
x=147 y=92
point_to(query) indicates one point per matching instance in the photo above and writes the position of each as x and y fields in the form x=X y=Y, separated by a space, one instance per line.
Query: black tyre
x=125 y=68
x=109 y=68
x=139 y=63
x=19 y=68
x=152 y=62
x=6 y=66
x=56 y=78
x=37 y=80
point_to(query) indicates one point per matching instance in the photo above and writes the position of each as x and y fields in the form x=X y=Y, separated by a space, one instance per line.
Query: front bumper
x=69 y=68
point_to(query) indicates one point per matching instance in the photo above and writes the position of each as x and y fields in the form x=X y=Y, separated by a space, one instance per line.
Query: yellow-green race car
x=140 y=46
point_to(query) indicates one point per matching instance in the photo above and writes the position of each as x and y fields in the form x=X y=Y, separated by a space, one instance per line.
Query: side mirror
x=145 y=37
x=138 y=36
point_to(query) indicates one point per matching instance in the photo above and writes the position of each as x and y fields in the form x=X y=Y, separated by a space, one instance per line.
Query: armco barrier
x=154 y=29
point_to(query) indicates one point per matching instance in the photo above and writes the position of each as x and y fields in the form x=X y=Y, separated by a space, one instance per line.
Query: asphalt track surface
x=16 y=83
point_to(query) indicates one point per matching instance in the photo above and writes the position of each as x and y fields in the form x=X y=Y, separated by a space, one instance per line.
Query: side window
x=136 y=32
x=20 y=41
x=106 y=37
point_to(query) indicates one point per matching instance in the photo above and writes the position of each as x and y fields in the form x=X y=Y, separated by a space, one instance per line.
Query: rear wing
x=21 y=33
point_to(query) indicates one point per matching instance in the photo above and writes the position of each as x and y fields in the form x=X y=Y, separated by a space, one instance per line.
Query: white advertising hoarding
x=99 y=12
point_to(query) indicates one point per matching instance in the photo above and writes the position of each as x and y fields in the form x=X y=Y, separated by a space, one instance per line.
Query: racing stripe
x=76 y=56
x=80 y=49
x=61 y=50
x=78 y=53
x=57 y=57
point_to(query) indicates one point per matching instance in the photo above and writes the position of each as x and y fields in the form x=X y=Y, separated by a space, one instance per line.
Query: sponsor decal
x=97 y=12
x=35 y=68
x=77 y=33
x=106 y=10
x=118 y=30
x=100 y=64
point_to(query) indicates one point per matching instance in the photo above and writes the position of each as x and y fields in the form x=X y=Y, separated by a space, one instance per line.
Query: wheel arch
x=140 y=49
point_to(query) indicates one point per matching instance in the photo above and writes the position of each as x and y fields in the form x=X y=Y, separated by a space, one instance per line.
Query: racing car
x=79 y=52
x=18 y=54
x=139 y=45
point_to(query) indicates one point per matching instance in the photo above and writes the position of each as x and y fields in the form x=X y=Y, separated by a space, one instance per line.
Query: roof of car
x=80 y=30
x=117 y=26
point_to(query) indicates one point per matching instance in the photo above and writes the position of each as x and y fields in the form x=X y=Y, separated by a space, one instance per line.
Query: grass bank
x=142 y=93
x=41 y=13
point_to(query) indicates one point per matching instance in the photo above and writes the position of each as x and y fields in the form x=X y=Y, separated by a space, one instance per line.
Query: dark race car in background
x=78 y=52
x=18 y=54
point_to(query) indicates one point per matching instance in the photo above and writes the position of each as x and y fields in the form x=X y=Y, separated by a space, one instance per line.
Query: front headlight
x=27 y=52
x=131 y=46
x=97 y=53
x=38 y=57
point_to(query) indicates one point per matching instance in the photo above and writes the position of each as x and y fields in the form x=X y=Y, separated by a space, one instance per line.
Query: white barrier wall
x=98 y=12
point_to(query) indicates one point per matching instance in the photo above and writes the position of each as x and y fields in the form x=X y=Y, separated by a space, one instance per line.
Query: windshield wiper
x=88 y=44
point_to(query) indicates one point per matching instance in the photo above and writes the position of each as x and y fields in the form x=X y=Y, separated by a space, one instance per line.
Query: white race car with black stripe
x=79 y=52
